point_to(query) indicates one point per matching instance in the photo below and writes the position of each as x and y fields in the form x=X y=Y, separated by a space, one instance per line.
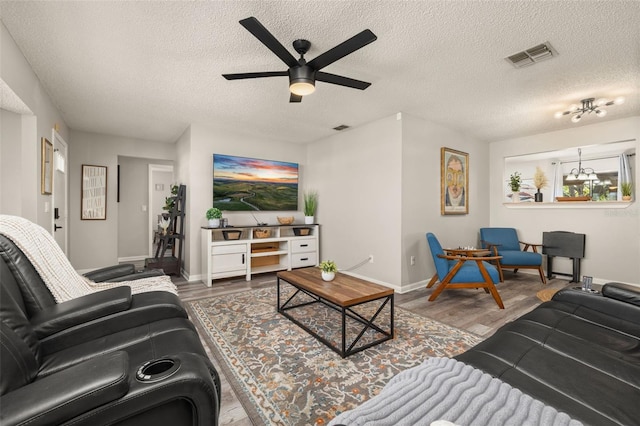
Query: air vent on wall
x=341 y=127
x=531 y=56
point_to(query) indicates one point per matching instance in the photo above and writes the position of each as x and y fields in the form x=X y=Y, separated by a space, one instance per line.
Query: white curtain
x=557 y=180
x=624 y=173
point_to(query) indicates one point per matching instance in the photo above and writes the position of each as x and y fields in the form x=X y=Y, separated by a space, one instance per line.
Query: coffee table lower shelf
x=344 y=349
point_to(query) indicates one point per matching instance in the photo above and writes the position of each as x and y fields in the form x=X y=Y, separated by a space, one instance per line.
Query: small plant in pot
x=539 y=181
x=627 y=189
x=329 y=269
x=310 y=205
x=214 y=215
x=515 y=181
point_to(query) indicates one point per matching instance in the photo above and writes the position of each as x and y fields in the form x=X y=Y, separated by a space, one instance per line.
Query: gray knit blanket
x=446 y=389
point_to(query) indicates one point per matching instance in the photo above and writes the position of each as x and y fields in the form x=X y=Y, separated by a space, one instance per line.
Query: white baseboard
x=132 y=258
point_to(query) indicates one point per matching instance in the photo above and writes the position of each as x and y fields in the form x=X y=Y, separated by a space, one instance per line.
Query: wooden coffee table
x=342 y=294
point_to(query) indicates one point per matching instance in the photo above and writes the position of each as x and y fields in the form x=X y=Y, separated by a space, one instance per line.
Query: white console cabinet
x=237 y=251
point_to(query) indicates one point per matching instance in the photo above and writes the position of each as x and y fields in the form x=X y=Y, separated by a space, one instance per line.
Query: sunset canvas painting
x=251 y=184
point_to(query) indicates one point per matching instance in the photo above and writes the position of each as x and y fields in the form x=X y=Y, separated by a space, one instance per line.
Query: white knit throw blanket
x=55 y=269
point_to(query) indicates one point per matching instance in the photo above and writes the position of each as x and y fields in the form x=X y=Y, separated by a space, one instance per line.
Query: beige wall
x=16 y=72
x=196 y=170
x=422 y=141
x=94 y=243
x=357 y=174
x=612 y=235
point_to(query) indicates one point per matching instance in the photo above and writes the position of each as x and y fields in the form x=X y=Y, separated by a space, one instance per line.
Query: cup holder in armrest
x=158 y=369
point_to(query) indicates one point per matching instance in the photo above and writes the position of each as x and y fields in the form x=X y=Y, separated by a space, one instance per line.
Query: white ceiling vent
x=531 y=56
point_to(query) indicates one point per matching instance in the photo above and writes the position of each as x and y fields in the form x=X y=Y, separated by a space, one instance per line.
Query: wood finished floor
x=469 y=309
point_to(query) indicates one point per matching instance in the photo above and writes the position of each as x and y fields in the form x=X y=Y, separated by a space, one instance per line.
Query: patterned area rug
x=284 y=376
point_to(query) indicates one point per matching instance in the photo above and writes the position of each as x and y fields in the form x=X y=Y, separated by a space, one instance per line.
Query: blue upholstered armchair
x=459 y=271
x=504 y=242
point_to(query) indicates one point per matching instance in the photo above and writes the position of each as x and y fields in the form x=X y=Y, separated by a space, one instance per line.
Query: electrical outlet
x=412 y=259
x=370 y=258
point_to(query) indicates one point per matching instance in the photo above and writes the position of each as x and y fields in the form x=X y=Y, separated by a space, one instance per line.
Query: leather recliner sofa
x=579 y=353
x=104 y=358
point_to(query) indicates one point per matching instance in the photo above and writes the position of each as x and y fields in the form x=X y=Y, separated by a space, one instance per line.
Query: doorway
x=160 y=181
x=60 y=193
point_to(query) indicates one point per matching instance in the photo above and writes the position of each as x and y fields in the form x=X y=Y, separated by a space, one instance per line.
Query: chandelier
x=581 y=174
x=589 y=105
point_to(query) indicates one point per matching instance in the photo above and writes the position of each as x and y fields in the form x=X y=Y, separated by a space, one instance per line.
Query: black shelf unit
x=174 y=236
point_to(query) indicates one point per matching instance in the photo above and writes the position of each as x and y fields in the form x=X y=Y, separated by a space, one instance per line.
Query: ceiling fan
x=302 y=74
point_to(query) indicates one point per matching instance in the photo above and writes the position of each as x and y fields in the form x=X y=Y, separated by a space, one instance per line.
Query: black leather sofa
x=105 y=358
x=579 y=353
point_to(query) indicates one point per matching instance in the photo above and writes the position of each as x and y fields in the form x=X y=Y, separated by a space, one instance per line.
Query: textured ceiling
x=148 y=69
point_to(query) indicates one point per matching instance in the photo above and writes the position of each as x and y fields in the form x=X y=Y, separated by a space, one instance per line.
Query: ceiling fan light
x=619 y=100
x=571 y=176
x=302 y=88
x=601 y=112
x=558 y=114
x=583 y=176
x=601 y=102
x=593 y=176
x=576 y=118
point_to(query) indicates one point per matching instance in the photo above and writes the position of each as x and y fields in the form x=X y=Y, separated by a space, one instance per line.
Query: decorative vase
x=308 y=220
x=515 y=196
x=626 y=198
x=538 y=196
x=328 y=276
x=214 y=223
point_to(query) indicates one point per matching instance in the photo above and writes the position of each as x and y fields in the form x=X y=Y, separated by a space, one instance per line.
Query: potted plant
x=515 y=180
x=214 y=214
x=310 y=205
x=627 y=189
x=170 y=202
x=540 y=181
x=329 y=269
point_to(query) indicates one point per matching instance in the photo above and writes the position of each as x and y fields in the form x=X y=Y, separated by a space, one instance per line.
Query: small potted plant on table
x=214 y=215
x=329 y=269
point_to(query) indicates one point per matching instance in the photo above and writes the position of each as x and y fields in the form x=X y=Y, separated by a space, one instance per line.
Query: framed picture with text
x=93 y=197
x=454 y=181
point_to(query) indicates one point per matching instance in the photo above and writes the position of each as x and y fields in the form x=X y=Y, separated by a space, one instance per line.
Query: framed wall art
x=46 y=167
x=93 y=193
x=454 y=181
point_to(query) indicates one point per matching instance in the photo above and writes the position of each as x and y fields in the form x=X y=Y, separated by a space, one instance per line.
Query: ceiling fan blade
x=341 y=81
x=295 y=98
x=255 y=75
x=343 y=49
x=261 y=33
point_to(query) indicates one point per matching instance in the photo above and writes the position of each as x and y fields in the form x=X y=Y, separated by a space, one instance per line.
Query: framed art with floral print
x=454 y=181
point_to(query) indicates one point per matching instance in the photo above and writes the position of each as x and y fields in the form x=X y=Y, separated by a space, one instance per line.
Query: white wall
x=422 y=141
x=16 y=72
x=357 y=174
x=94 y=243
x=195 y=169
x=612 y=235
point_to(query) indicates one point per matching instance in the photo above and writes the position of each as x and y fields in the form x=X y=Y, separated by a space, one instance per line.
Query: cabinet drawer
x=300 y=260
x=303 y=245
x=229 y=262
x=224 y=249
